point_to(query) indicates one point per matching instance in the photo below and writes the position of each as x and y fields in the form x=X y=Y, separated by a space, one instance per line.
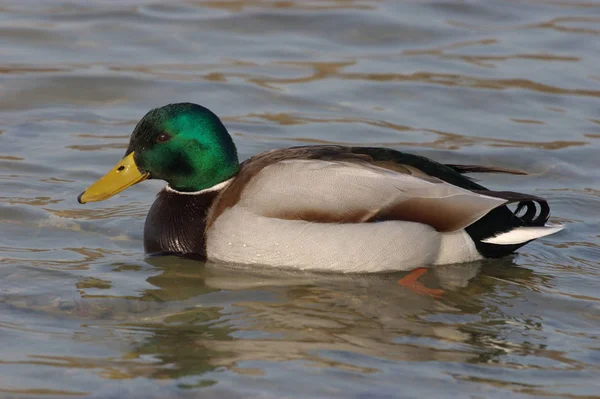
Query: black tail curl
x=524 y=201
x=503 y=219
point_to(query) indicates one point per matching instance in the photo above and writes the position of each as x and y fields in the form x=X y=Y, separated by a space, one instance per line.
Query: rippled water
x=508 y=83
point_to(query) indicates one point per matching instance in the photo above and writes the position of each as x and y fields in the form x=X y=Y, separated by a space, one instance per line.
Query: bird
x=333 y=208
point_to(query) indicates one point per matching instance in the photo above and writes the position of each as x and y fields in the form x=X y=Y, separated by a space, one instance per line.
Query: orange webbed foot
x=411 y=282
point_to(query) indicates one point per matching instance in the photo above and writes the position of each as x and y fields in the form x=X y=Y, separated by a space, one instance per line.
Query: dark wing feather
x=484 y=169
x=383 y=156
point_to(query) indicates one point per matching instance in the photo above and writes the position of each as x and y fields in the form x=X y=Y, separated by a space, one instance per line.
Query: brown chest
x=176 y=223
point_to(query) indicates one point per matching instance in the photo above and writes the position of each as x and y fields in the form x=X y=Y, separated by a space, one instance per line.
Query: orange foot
x=410 y=281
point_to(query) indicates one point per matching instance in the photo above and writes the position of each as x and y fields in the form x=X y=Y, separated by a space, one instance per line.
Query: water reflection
x=199 y=317
x=195 y=320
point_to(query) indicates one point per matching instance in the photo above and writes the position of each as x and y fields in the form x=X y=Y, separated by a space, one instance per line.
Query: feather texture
x=241 y=236
x=359 y=192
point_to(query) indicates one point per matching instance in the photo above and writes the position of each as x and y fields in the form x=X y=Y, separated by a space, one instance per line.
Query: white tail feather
x=523 y=234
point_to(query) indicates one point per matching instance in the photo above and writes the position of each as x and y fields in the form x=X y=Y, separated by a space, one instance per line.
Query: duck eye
x=163 y=137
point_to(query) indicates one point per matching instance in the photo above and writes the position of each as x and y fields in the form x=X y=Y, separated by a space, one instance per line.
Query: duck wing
x=331 y=184
x=500 y=232
x=484 y=169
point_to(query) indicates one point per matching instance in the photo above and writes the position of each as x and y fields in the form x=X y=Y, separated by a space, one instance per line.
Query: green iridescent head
x=184 y=144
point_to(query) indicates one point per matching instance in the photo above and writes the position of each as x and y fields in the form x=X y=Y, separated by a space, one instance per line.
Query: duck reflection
x=193 y=317
x=198 y=317
x=214 y=316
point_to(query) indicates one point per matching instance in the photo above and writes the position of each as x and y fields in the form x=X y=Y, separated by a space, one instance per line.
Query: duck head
x=184 y=144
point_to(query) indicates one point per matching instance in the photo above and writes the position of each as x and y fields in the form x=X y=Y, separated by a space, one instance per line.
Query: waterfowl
x=325 y=207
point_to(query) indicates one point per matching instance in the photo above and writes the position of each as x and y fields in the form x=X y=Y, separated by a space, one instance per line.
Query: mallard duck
x=326 y=207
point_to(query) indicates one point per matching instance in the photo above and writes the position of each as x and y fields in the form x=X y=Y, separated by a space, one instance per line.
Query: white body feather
x=241 y=236
x=247 y=234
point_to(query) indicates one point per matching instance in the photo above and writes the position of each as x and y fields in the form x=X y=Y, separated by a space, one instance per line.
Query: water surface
x=84 y=314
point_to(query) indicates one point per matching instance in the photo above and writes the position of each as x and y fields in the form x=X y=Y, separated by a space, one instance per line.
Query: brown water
x=84 y=314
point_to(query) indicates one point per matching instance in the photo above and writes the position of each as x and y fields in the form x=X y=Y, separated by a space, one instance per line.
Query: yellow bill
x=124 y=174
